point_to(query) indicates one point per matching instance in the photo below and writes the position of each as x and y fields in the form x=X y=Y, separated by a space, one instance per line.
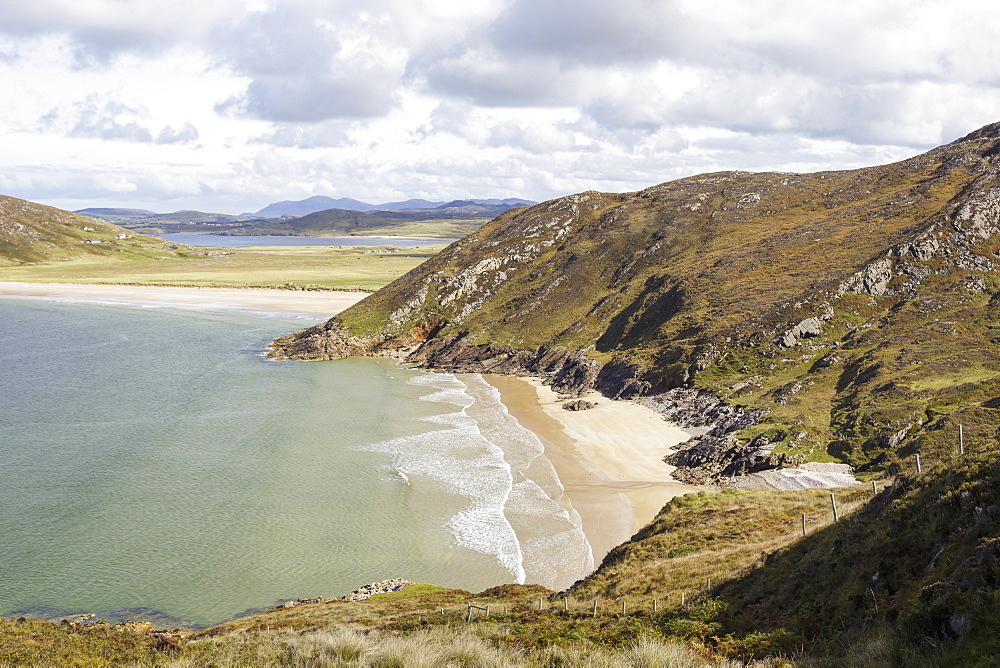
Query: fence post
x=595 y=607
x=623 y=606
x=961 y=441
x=565 y=603
x=654 y=605
x=874 y=489
x=833 y=502
x=919 y=469
x=682 y=599
x=468 y=617
x=803 y=524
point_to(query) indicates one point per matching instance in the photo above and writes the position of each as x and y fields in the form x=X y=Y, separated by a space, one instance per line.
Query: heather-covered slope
x=854 y=311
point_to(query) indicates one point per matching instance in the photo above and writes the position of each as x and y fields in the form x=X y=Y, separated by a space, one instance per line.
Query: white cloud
x=184 y=135
x=230 y=104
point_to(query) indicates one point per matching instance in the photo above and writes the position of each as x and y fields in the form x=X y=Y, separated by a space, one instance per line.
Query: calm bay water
x=153 y=459
x=226 y=241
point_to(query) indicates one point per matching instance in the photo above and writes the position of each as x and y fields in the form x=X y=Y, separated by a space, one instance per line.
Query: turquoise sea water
x=154 y=460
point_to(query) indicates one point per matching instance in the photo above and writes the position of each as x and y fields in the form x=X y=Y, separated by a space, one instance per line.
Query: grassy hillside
x=32 y=233
x=858 y=310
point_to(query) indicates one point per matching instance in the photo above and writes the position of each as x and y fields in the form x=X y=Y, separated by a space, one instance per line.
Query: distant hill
x=408 y=204
x=422 y=204
x=448 y=220
x=143 y=217
x=311 y=205
x=32 y=233
x=319 y=203
x=112 y=215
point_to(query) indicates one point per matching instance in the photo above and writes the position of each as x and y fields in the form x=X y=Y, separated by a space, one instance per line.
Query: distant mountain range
x=318 y=216
x=102 y=213
x=321 y=203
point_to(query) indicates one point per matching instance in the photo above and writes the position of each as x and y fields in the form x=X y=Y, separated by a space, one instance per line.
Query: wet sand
x=609 y=458
x=317 y=304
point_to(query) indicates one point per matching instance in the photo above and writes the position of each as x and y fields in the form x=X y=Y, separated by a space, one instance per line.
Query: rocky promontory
x=847 y=314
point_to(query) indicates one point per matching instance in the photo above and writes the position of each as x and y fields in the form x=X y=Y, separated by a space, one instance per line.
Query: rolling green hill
x=33 y=233
x=849 y=316
x=455 y=220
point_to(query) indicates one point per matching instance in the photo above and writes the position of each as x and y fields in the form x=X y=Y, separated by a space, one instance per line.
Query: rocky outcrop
x=805 y=329
x=712 y=452
x=381 y=587
x=578 y=405
x=567 y=372
x=359 y=594
x=329 y=341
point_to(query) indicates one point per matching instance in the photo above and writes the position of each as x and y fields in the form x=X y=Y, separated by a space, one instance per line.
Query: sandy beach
x=609 y=458
x=303 y=303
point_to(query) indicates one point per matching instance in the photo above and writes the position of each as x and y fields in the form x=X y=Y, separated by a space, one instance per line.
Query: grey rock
x=381 y=587
x=805 y=329
x=872 y=280
x=578 y=405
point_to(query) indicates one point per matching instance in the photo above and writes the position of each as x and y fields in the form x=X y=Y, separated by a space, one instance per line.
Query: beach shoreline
x=609 y=458
x=315 y=304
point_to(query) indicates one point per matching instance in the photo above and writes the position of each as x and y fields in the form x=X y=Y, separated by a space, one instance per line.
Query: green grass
x=33 y=642
x=276 y=266
x=972 y=375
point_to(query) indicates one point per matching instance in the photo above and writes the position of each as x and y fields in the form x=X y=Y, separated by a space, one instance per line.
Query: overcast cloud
x=229 y=105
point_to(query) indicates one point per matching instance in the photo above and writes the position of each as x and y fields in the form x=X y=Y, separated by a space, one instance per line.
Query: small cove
x=152 y=462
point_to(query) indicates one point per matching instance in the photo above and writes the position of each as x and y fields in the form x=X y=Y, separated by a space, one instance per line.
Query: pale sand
x=609 y=458
x=306 y=303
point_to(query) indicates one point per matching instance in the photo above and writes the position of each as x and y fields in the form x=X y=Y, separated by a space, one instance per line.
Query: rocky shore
x=709 y=456
x=359 y=594
x=713 y=453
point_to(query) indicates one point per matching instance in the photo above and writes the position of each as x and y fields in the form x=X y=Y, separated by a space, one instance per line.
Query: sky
x=229 y=105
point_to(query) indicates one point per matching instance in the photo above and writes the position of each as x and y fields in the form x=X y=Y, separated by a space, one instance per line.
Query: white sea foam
x=465 y=463
x=516 y=510
x=550 y=529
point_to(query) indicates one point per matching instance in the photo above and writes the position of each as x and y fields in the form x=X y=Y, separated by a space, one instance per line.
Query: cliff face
x=854 y=312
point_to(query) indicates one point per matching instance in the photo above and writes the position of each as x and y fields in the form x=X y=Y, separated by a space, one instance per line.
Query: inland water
x=154 y=464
